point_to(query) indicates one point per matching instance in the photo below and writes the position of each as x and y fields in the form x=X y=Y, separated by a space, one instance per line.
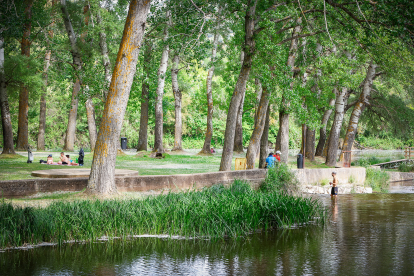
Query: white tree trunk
x=159 y=120
x=177 y=97
x=340 y=102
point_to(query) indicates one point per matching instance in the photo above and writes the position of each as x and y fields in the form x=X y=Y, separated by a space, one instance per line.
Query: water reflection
x=366 y=235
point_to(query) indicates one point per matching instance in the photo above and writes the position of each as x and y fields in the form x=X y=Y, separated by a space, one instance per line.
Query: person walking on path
x=334 y=183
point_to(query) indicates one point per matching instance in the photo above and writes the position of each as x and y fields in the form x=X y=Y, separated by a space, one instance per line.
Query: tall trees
x=8 y=147
x=143 y=123
x=159 y=117
x=322 y=130
x=102 y=177
x=249 y=49
x=359 y=107
x=340 y=102
x=77 y=65
x=209 y=92
x=23 y=129
x=177 y=98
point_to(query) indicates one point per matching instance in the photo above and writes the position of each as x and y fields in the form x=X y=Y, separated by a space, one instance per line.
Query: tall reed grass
x=214 y=212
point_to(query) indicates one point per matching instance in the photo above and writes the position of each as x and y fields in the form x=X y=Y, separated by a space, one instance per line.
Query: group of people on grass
x=64 y=160
x=272 y=159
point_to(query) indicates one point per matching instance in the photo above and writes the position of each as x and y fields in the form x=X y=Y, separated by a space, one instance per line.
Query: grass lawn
x=15 y=167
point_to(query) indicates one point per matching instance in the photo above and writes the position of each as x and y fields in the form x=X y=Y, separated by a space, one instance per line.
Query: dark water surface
x=367 y=235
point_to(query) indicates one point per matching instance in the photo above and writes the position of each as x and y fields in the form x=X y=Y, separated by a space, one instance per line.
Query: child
x=334 y=183
x=49 y=160
x=270 y=161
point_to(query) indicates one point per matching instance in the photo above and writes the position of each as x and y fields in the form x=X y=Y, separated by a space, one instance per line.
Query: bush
x=377 y=180
x=404 y=167
x=280 y=179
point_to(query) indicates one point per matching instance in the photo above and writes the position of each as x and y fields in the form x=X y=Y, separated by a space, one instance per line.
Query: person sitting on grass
x=49 y=160
x=270 y=161
x=277 y=156
x=64 y=160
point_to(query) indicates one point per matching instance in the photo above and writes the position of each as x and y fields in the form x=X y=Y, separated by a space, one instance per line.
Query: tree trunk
x=102 y=177
x=322 y=131
x=8 y=147
x=177 y=97
x=73 y=113
x=90 y=113
x=70 y=131
x=303 y=144
x=42 y=115
x=105 y=57
x=363 y=101
x=340 y=102
x=143 y=122
x=284 y=114
x=249 y=49
x=264 y=141
x=159 y=120
x=260 y=120
x=209 y=91
x=238 y=136
x=310 y=144
x=23 y=123
x=277 y=143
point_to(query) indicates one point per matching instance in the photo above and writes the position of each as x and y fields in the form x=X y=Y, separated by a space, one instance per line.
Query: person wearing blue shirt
x=270 y=161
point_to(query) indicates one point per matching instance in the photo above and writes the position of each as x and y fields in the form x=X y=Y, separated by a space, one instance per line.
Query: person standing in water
x=334 y=183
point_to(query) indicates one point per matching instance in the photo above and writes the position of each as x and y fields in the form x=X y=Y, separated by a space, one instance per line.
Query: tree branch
x=299 y=36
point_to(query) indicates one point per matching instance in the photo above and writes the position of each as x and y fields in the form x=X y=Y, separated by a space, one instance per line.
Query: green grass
x=378 y=180
x=215 y=212
x=17 y=168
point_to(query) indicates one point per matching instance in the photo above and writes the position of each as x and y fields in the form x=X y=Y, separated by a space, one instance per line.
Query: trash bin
x=123 y=143
x=300 y=161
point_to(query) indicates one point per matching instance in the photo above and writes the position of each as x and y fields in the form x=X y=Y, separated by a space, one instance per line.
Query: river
x=367 y=234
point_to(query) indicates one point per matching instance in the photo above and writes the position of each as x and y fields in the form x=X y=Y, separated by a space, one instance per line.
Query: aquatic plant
x=215 y=213
x=280 y=179
x=377 y=179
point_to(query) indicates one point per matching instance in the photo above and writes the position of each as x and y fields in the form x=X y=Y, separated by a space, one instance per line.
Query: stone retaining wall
x=20 y=188
x=308 y=178
x=400 y=176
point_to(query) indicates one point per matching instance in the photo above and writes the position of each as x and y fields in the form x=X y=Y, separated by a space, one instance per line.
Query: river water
x=367 y=234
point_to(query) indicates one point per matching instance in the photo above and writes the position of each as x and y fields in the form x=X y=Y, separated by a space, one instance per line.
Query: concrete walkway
x=76 y=173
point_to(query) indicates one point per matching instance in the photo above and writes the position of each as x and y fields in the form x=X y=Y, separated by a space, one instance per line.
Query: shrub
x=351 y=179
x=377 y=180
x=281 y=179
x=404 y=167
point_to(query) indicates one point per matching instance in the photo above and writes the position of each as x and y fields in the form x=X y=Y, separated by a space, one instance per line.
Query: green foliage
x=280 y=179
x=405 y=167
x=215 y=212
x=377 y=180
x=371 y=160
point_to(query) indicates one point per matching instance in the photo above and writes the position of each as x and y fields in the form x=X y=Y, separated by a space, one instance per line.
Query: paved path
x=74 y=173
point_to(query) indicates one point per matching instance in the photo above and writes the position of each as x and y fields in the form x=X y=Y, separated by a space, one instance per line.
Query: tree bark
x=322 y=130
x=277 y=143
x=90 y=113
x=8 y=147
x=159 y=120
x=42 y=115
x=177 y=97
x=77 y=63
x=249 y=49
x=363 y=101
x=310 y=144
x=340 y=102
x=284 y=114
x=260 y=120
x=102 y=177
x=209 y=91
x=23 y=123
x=105 y=56
x=303 y=144
x=143 y=122
x=264 y=141
x=238 y=135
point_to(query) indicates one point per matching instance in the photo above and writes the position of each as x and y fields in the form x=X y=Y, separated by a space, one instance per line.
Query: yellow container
x=240 y=164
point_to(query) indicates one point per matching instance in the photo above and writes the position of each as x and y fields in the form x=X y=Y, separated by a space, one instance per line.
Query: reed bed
x=214 y=213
